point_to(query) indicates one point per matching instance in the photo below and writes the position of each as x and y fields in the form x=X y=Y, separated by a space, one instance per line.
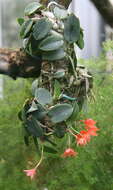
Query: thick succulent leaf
x=72 y=29
x=36 y=143
x=60 y=13
x=32 y=46
x=34 y=86
x=26 y=140
x=54 y=55
x=57 y=89
x=41 y=28
x=43 y=96
x=32 y=8
x=23 y=113
x=25 y=28
x=60 y=112
x=50 y=150
x=34 y=127
x=75 y=112
x=40 y=113
x=20 y=21
x=50 y=43
x=33 y=107
x=80 y=42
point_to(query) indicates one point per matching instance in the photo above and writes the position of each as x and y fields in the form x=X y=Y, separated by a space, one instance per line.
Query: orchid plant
x=51 y=34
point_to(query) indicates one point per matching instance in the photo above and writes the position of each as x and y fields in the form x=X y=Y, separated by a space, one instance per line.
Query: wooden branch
x=16 y=63
x=105 y=8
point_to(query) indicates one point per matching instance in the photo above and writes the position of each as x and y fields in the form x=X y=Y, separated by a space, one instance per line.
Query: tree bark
x=16 y=63
x=105 y=8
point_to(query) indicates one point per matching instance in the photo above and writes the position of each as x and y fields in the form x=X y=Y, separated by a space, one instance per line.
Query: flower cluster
x=82 y=138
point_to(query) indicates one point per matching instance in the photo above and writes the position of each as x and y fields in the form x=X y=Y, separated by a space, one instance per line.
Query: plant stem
x=72 y=63
x=40 y=159
x=69 y=141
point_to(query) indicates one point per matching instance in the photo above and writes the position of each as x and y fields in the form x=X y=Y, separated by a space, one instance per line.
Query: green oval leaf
x=80 y=42
x=41 y=28
x=20 y=21
x=34 y=86
x=26 y=140
x=75 y=112
x=33 y=107
x=54 y=55
x=25 y=28
x=39 y=113
x=57 y=89
x=34 y=127
x=32 y=8
x=60 y=13
x=72 y=29
x=52 y=42
x=50 y=150
x=60 y=112
x=43 y=96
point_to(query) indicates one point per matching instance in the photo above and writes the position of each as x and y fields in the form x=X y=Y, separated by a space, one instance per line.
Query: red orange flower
x=83 y=138
x=69 y=152
x=31 y=173
x=92 y=132
x=94 y=128
x=89 y=122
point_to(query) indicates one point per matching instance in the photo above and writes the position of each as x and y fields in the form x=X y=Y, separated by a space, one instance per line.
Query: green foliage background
x=92 y=169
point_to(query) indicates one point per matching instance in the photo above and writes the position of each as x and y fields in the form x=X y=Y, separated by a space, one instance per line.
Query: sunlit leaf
x=43 y=96
x=32 y=8
x=60 y=13
x=25 y=28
